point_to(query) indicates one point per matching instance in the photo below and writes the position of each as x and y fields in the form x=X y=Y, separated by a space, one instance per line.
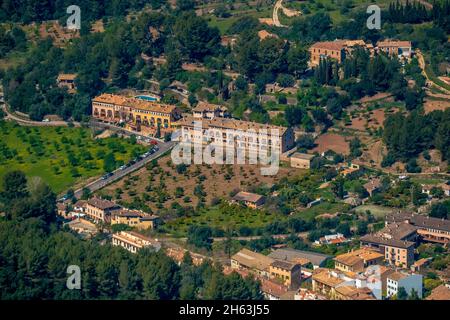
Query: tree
x=200 y=236
x=14 y=186
x=338 y=187
x=293 y=115
x=402 y=294
x=297 y=59
x=439 y=210
x=109 y=162
x=306 y=141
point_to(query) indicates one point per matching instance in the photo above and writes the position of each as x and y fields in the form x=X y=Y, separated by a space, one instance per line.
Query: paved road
x=25 y=122
x=118 y=174
x=429 y=82
x=276 y=20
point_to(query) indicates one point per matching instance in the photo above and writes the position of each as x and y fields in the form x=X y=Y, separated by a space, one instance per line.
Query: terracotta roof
x=373 y=238
x=303 y=156
x=348 y=259
x=393 y=43
x=439 y=293
x=396 y=276
x=324 y=276
x=228 y=123
x=263 y=34
x=356 y=256
x=273 y=288
x=419 y=221
x=373 y=184
x=247 y=196
x=101 y=203
x=355 y=293
x=205 y=107
x=134 y=103
x=66 y=77
x=252 y=260
x=283 y=265
x=329 y=45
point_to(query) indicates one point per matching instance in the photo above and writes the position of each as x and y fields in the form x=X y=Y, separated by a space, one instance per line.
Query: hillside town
x=198 y=150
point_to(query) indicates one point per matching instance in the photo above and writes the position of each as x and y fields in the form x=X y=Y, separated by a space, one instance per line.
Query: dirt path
x=429 y=82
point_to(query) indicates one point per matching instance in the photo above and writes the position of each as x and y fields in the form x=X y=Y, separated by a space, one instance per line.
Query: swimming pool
x=147 y=98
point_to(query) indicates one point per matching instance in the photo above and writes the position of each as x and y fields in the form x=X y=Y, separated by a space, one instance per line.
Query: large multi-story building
x=336 y=50
x=428 y=229
x=137 y=112
x=396 y=241
x=135 y=218
x=100 y=210
x=243 y=133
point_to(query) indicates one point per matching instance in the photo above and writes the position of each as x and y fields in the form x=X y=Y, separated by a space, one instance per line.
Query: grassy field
x=60 y=156
x=377 y=211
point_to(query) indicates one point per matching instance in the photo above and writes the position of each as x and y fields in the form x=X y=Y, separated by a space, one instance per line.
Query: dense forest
x=35 y=251
x=407 y=136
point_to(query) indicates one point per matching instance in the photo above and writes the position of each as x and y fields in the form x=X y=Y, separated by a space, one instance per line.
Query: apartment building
x=205 y=110
x=135 y=218
x=249 y=136
x=133 y=241
x=119 y=109
x=100 y=210
x=408 y=281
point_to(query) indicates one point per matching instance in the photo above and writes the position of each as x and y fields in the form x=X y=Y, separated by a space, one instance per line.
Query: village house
x=303 y=258
x=100 y=210
x=373 y=186
x=408 y=281
x=336 y=50
x=205 y=110
x=67 y=81
x=357 y=260
x=353 y=293
x=135 y=218
x=252 y=262
x=336 y=238
x=135 y=112
x=325 y=282
x=250 y=200
x=289 y=273
x=301 y=160
x=133 y=241
x=242 y=134
x=397 y=48
x=264 y=34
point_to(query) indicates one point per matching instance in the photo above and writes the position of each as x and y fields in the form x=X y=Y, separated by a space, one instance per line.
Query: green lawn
x=61 y=156
x=377 y=211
